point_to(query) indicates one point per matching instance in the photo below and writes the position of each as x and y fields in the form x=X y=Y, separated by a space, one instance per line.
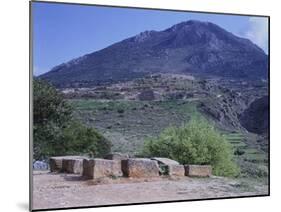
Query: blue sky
x=62 y=32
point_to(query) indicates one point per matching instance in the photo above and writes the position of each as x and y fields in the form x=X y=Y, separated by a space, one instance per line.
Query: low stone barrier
x=118 y=165
x=198 y=170
x=140 y=167
x=97 y=168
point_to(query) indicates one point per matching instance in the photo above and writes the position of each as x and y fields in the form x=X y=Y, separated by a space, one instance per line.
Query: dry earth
x=70 y=190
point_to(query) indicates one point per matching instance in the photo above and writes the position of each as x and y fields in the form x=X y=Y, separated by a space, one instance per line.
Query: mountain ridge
x=193 y=47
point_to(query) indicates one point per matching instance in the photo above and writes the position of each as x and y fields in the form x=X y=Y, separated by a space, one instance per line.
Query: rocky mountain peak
x=191 y=47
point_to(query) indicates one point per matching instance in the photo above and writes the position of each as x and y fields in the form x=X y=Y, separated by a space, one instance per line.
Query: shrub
x=194 y=143
x=84 y=140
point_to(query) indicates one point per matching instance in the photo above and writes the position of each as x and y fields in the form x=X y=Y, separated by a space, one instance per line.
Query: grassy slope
x=128 y=123
x=252 y=160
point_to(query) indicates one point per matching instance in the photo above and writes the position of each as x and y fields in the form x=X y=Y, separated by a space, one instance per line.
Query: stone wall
x=118 y=165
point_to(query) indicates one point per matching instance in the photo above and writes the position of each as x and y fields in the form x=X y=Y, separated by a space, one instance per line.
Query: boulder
x=98 y=168
x=116 y=156
x=198 y=170
x=140 y=167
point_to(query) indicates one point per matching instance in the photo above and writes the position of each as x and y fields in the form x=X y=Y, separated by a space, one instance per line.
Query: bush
x=55 y=132
x=195 y=143
x=84 y=140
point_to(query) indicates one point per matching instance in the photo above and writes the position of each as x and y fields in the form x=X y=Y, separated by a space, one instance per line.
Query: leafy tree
x=195 y=143
x=49 y=105
x=55 y=132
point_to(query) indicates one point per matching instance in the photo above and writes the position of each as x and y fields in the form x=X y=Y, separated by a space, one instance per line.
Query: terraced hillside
x=128 y=113
x=252 y=160
x=128 y=123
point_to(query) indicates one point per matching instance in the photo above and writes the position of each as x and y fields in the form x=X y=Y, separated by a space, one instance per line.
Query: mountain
x=199 y=48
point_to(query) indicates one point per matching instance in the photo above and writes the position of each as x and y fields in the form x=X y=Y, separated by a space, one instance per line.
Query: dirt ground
x=70 y=190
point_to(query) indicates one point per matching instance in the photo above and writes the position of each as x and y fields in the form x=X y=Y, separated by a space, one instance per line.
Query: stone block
x=140 y=167
x=176 y=170
x=198 y=170
x=98 y=168
x=56 y=163
x=74 y=166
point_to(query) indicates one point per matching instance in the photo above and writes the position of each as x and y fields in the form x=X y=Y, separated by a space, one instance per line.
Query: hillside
x=191 y=47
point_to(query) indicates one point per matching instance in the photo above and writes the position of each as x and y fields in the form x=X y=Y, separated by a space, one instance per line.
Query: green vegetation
x=253 y=162
x=115 y=105
x=55 y=132
x=195 y=143
x=182 y=108
x=84 y=140
x=127 y=123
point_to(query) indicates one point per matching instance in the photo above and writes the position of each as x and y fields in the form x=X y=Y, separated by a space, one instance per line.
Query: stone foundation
x=117 y=166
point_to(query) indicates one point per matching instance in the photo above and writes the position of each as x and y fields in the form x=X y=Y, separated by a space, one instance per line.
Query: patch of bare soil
x=70 y=190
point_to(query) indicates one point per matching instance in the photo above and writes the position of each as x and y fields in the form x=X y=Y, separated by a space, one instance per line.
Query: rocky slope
x=256 y=118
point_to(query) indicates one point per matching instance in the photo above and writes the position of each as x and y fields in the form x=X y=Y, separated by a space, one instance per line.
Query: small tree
x=49 y=105
x=55 y=132
x=51 y=114
x=195 y=143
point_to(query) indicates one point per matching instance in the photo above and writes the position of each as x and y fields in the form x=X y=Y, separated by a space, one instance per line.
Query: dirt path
x=68 y=190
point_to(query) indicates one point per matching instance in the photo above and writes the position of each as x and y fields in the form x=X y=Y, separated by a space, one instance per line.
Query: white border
x=14 y=17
